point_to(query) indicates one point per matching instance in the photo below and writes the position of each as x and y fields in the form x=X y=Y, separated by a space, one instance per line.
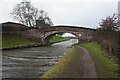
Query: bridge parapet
x=83 y=34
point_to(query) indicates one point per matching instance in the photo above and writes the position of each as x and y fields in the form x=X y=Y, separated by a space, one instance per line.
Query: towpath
x=87 y=68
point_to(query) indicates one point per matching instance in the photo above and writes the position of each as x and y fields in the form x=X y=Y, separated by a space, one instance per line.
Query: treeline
x=107 y=34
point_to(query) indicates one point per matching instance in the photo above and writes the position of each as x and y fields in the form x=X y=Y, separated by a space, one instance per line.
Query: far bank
x=19 y=42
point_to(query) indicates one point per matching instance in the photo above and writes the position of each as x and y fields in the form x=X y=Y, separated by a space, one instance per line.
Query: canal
x=32 y=62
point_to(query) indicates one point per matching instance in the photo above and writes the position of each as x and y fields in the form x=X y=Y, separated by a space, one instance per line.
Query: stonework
x=83 y=34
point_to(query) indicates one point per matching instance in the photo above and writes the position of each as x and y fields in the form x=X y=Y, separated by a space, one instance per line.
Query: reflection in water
x=32 y=62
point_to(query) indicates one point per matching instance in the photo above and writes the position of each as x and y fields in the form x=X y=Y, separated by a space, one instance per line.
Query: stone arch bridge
x=43 y=36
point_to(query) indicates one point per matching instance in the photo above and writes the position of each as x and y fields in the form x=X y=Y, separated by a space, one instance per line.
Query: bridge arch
x=82 y=34
x=48 y=37
x=43 y=36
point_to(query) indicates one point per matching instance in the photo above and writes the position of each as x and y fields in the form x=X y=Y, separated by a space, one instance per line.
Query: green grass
x=16 y=41
x=55 y=39
x=67 y=67
x=106 y=65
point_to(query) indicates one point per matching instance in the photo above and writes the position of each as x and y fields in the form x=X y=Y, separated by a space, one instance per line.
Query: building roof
x=11 y=26
x=13 y=23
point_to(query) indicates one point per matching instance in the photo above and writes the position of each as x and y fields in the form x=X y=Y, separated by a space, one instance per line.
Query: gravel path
x=87 y=68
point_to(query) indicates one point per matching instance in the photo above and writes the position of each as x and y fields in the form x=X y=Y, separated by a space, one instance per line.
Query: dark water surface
x=32 y=62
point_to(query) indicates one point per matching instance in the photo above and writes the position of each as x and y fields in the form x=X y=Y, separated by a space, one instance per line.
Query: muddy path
x=87 y=68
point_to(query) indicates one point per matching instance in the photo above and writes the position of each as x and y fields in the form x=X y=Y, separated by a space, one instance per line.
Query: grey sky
x=67 y=12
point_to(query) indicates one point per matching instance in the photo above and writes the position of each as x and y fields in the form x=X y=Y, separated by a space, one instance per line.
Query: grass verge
x=16 y=41
x=67 y=67
x=106 y=65
x=56 y=39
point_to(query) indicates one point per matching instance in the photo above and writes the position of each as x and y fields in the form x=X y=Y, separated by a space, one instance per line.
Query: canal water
x=32 y=62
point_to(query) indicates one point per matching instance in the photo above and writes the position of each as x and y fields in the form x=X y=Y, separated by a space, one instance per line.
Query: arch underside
x=81 y=35
x=51 y=34
x=48 y=36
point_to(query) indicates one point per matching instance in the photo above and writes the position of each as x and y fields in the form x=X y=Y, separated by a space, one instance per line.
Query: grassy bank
x=105 y=64
x=67 y=67
x=16 y=41
x=56 y=39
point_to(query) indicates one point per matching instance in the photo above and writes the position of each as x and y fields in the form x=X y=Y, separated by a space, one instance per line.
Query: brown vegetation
x=107 y=34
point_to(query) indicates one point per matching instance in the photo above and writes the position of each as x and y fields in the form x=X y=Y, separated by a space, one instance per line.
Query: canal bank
x=77 y=63
x=92 y=62
x=68 y=66
x=18 y=43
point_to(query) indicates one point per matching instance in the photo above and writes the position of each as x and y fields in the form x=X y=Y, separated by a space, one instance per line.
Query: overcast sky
x=66 y=12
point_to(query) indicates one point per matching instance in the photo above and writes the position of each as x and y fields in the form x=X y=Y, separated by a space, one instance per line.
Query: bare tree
x=27 y=14
x=45 y=17
x=107 y=34
x=110 y=23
